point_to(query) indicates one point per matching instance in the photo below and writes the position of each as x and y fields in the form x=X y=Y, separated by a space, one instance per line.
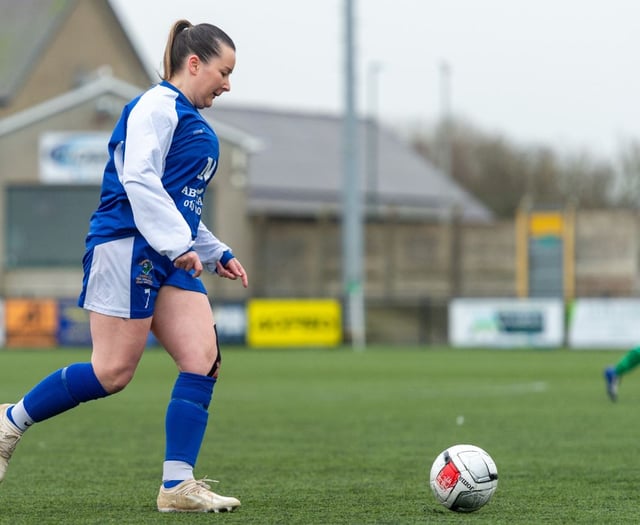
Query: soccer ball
x=463 y=478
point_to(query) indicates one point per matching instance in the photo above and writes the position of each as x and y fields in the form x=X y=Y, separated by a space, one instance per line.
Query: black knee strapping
x=216 y=365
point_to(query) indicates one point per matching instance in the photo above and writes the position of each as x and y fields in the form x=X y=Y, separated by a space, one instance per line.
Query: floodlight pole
x=371 y=153
x=446 y=153
x=352 y=222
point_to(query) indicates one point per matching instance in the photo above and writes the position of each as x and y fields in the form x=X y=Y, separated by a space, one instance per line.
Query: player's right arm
x=150 y=129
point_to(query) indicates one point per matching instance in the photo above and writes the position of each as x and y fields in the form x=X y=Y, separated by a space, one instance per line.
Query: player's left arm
x=217 y=257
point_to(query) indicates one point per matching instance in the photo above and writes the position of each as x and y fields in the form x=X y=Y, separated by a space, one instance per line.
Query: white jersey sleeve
x=150 y=129
x=209 y=248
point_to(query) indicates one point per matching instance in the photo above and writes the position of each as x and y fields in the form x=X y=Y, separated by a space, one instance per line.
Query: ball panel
x=470 y=501
x=444 y=479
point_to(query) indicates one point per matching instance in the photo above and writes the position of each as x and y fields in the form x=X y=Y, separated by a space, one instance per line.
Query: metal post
x=352 y=244
x=371 y=154
x=446 y=154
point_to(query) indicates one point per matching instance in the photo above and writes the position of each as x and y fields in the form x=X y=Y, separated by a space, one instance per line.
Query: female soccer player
x=146 y=249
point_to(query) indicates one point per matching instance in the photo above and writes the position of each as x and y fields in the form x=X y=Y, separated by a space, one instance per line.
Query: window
x=46 y=225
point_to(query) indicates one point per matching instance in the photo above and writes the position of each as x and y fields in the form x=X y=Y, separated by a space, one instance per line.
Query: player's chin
x=206 y=103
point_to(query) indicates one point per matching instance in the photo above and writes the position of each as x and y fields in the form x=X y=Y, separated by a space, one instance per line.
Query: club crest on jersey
x=144 y=277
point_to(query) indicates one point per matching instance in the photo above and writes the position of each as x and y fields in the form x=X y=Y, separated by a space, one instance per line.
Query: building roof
x=297 y=163
x=99 y=90
x=299 y=169
x=93 y=90
x=25 y=29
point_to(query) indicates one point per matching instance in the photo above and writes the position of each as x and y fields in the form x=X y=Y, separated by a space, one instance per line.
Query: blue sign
x=73 y=324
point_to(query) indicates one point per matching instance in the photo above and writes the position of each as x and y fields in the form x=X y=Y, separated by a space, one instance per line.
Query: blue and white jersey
x=162 y=155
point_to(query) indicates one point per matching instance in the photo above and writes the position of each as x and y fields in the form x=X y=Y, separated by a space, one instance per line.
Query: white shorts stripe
x=109 y=284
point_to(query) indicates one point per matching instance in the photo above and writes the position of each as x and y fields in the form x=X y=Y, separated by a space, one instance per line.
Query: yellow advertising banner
x=31 y=322
x=293 y=322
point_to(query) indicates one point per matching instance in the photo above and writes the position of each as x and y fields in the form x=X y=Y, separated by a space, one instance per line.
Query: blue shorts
x=122 y=278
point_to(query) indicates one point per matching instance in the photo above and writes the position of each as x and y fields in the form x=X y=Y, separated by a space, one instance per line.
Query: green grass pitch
x=340 y=436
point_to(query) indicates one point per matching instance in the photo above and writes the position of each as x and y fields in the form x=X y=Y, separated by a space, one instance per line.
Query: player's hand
x=233 y=270
x=189 y=262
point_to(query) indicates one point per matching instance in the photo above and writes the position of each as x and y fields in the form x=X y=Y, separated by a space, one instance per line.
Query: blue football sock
x=64 y=389
x=187 y=417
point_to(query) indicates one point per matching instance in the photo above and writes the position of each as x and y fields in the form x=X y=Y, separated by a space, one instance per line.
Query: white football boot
x=9 y=437
x=194 y=495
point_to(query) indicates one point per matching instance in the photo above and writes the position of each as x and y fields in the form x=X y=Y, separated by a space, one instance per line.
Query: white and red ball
x=463 y=478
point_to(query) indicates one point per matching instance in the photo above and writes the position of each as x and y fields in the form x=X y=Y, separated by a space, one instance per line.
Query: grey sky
x=558 y=72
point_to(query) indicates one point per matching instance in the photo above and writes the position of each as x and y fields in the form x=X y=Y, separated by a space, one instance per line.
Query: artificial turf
x=337 y=436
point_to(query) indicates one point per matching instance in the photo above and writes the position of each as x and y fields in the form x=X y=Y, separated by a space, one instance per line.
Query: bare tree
x=627 y=188
x=500 y=173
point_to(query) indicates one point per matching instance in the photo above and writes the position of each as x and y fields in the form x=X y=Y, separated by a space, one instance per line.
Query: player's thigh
x=118 y=345
x=183 y=323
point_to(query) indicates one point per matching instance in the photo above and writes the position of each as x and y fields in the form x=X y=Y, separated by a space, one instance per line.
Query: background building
x=276 y=198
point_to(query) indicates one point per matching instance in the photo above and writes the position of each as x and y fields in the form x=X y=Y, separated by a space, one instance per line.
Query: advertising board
x=605 y=323
x=293 y=322
x=506 y=322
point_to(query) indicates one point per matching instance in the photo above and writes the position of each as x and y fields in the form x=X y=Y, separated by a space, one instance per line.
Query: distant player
x=613 y=374
x=146 y=249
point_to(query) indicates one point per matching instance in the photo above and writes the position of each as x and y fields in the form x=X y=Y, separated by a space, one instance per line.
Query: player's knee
x=115 y=379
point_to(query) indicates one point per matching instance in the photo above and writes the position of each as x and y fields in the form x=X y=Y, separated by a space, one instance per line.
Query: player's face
x=212 y=78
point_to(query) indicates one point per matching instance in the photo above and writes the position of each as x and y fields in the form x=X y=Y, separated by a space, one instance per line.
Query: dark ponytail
x=184 y=39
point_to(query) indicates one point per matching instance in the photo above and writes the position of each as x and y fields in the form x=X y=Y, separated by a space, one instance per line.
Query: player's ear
x=193 y=64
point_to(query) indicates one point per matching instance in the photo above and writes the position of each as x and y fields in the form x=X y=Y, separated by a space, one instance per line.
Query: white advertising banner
x=506 y=323
x=73 y=157
x=605 y=323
